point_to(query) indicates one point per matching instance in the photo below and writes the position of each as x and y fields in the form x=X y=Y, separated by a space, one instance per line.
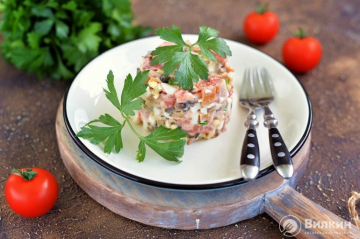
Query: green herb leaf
x=111 y=93
x=207 y=33
x=132 y=90
x=111 y=135
x=33 y=39
x=172 y=35
x=41 y=12
x=61 y=71
x=190 y=66
x=88 y=40
x=217 y=45
x=85 y=133
x=168 y=143
x=71 y=6
x=43 y=27
x=75 y=57
x=207 y=41
x=140 y=156
x=62 y=30
x=166 y=53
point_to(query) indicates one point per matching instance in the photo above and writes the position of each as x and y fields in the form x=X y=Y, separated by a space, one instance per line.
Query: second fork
x=261 y=95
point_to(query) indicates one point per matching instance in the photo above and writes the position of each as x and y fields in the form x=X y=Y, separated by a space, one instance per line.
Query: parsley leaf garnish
x=168 y=143
x=190 y=66
x=132 y=90
x=111 y=94
x=111 y=134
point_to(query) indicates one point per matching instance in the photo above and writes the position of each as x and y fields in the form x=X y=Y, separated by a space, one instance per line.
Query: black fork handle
x=279 y=152
x=250 y=154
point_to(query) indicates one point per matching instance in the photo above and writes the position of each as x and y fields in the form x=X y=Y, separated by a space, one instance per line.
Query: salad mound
x=202 y=111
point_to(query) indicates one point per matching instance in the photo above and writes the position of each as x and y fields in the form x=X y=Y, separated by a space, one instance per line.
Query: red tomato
x=261 y=26
x=301 y=54
x=34 y=197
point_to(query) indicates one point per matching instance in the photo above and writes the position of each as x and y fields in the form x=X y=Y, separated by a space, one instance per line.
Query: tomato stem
x=27 y=173
x=261 y=8
x=300 y=33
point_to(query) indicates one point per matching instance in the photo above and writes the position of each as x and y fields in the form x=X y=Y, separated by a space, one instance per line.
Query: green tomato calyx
x=261 y=8
x=300 y=33
x=27 y=173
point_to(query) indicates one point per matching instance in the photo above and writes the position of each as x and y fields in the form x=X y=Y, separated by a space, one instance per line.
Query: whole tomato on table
x=261 y=26
x=31 y=192
x=301 y=53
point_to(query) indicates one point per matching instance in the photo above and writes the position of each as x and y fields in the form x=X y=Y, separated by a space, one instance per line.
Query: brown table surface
x=28 y=107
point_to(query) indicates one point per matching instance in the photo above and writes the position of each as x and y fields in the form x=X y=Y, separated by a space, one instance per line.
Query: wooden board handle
x=306 y=219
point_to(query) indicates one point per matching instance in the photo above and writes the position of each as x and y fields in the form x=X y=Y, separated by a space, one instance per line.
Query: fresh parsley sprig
x=57 y=38
x=190 y=66
x=168 y=143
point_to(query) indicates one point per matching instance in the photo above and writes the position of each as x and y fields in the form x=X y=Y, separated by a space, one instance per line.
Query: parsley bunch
x=57 y=38
x=190 y=66
x=168 y=143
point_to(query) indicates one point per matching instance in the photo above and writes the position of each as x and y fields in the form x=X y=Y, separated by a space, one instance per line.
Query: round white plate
x=208 y=163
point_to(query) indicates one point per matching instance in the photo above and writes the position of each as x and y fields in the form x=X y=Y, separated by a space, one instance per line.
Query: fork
x=250 y=155
x=261 y=95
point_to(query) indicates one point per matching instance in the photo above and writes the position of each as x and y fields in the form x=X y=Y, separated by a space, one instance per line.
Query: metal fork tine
x=244 y=85
x=247 y=77
x=247 y=73
x=268 y=85
x=251 y=89
x=257 y=82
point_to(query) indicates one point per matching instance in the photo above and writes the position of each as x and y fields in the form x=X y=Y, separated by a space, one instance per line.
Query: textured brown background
x=28 y=107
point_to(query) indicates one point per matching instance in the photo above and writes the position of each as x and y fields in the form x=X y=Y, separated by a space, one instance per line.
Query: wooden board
x=168 y=208
x=164 y=207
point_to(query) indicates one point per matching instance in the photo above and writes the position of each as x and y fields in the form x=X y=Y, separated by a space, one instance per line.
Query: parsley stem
x=123 y=125
x=131 y=127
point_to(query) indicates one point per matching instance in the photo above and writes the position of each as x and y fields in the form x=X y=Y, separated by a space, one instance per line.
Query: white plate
x=205 y=164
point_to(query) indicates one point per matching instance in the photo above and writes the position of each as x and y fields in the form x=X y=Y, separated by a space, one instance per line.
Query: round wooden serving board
x=192 y=209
